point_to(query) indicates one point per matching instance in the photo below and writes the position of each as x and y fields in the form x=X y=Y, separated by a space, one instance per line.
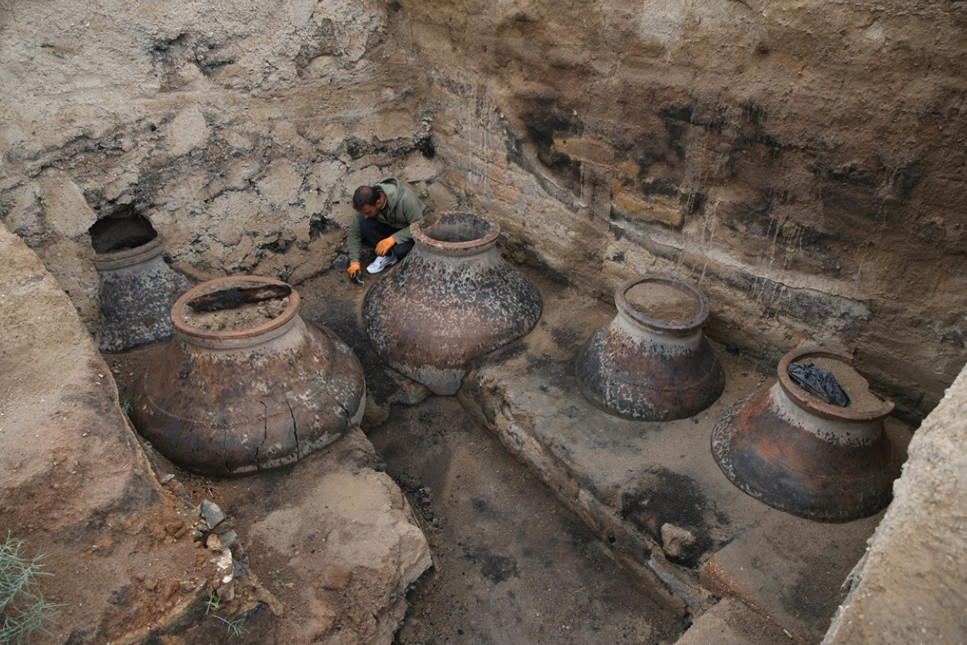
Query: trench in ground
x=511 y=563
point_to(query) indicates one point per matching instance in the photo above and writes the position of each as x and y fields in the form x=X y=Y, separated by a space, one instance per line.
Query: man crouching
x=384 y=213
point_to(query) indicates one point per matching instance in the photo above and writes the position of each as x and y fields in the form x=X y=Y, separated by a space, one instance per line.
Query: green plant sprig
x=22 y=606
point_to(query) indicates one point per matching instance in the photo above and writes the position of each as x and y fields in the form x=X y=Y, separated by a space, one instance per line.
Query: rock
x=62 y=424
x=349 y=541
x=674 y=539
x=224 y=577
x=211 y=513
x=227 y=535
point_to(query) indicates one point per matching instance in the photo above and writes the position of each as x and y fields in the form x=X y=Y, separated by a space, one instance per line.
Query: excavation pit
x=531 y=498
x=800 y=164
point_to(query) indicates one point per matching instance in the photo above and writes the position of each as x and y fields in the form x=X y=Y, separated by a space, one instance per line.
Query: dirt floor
x=511 y=565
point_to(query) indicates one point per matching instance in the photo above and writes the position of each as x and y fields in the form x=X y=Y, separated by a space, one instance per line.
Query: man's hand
x=384 y=246
x=354 y=270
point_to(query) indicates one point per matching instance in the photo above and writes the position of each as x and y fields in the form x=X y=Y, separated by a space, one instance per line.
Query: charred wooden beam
x=238 y=296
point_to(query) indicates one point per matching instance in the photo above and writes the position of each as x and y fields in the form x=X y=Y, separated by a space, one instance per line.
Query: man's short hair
x=366 y=196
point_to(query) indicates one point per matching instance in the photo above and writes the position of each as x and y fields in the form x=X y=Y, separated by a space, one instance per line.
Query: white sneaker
x=381 y=262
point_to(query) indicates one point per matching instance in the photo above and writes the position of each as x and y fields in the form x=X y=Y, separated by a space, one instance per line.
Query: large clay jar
x=136 y=289
x=452 y=298
x=792 y=450
x=652 y=362
x=247 y=389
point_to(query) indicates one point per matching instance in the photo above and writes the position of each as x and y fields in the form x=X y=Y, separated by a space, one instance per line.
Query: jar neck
x=277 y=333
x=841 y=431
x=657 y=334
x=456 y=234
x=116 y=260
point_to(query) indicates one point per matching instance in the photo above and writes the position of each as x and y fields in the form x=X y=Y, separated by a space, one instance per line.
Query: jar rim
x=672 y=326
x=422 y=235
x=279 y=323
x=112 y=260
x=801 y=399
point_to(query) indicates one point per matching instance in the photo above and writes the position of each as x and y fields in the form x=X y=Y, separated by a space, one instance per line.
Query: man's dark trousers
x=373 y=232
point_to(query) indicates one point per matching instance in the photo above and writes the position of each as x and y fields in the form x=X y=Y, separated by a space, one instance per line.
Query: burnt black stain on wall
x=550 y=120
x=546 y=121
x=319 y=224
x=838 y=196
x=870 y=190
x=842 y=194
x=678 y=121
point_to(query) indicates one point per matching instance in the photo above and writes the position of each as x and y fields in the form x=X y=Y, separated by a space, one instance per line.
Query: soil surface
x=511 y=565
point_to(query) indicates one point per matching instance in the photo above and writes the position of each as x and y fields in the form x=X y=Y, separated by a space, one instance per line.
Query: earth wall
x=801 y=163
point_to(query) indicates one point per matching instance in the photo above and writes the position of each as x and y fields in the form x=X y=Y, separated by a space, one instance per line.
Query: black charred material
x=238 y=296
x=819 y=382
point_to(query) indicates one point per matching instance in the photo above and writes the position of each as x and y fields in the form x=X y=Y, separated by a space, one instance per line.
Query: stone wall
x=801 y=163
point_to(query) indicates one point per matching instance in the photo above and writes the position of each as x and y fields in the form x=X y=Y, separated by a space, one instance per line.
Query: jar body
x=649 y=366
x=452 y=298
x=813 y=460
x=136 y=290
x=235 y=403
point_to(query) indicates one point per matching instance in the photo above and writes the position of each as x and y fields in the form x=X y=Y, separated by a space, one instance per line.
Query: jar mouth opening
x=662 y=302
x=802 y=398
x=122 y=231
x=247 y=321
x=457 y=230
x=130 y=242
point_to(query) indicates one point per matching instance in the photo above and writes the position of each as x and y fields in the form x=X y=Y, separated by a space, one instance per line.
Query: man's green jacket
x=402 y=208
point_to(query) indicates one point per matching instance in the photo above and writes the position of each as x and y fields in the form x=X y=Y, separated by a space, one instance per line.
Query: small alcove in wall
x=122 y=229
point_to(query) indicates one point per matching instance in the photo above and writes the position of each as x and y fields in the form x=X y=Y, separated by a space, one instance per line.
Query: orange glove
x=354 y=269
x=384 y=246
